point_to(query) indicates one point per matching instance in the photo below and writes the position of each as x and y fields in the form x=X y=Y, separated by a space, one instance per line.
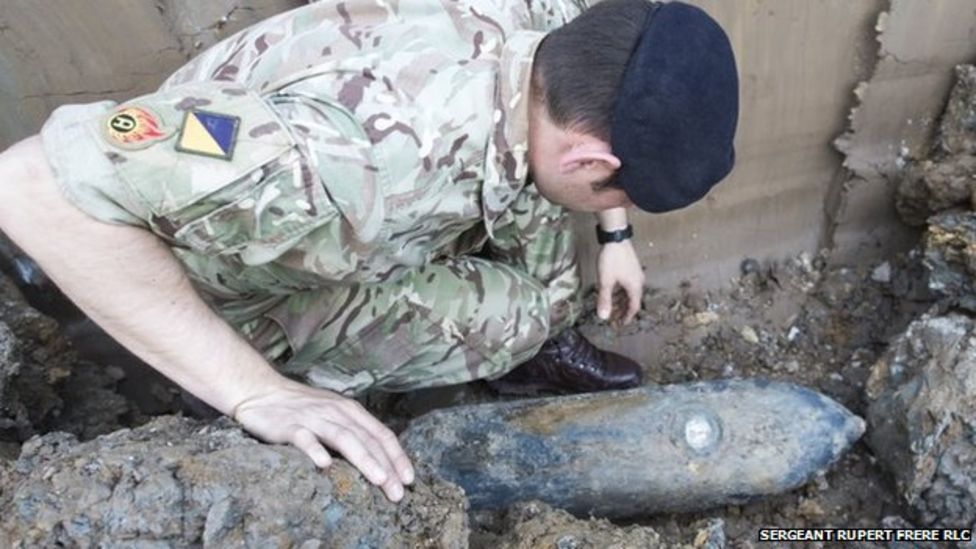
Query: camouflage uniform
x=374 y=225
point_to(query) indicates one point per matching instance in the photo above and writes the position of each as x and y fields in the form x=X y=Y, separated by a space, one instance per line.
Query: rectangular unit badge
x=208 y=134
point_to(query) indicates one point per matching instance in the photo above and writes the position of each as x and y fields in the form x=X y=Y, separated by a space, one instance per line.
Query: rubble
x=178 y=482
x=944 y=179
x=534 y=524
x=882 y=273
x=922 y=418
x=811 y=321
x=43 y=384
x=939 y=189
x=950 y=255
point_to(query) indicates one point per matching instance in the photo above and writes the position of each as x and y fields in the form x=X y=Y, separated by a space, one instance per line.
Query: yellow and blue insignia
x=208 y=134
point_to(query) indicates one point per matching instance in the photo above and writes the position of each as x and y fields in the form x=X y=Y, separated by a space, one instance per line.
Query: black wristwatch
x=604 y=237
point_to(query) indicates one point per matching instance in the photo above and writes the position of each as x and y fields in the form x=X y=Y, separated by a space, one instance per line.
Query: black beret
x=676 y=111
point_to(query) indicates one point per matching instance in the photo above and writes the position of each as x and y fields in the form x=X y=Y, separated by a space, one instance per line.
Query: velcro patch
x=208 y=134
x=134 y=128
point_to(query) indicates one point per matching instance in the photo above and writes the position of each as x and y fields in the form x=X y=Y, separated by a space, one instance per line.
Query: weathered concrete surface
x=62 y=51
x=895 y=120
x=176 y=482
x=922 y=418
x=639 y=452
x=798 y=63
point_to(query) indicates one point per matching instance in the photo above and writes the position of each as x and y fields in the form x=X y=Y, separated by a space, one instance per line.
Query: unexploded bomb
x=648 y=450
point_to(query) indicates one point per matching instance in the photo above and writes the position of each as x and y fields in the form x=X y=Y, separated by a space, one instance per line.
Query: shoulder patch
x=134 y=128
x=208 y=134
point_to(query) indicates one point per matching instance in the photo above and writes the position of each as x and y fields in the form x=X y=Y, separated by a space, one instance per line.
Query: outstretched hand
x=618 y=265
x=312 y=419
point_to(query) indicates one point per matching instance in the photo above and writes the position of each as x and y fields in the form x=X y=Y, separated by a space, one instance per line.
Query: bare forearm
x=128 y=282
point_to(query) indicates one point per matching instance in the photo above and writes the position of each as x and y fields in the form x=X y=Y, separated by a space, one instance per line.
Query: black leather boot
x=568 y=363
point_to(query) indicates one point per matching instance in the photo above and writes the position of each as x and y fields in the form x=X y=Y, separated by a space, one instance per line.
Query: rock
x=749 y=266
x=32 y=361
x=637 y=452
x=950 y=255
x=957 y=130
x=177 y=482
x=749 y=334
x=922 y=418
x=839 y=287
x=946 y=178
x=882 y=273
x=43 y=385
x=534 y=524
x=929 y=187
x=703 y=318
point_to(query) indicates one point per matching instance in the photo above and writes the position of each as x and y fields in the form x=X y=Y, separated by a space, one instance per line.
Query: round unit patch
x=134 y=128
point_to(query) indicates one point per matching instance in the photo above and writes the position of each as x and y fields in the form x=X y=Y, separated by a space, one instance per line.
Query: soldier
x=371 y=194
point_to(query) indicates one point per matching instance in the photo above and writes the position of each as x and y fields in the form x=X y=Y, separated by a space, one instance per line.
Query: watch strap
x=605 y=237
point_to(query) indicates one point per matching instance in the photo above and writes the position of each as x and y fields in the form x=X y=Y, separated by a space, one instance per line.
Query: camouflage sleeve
x=547 y=15
x=540 y=15
x=84 y=173
x=537 y=15
x=209 y=166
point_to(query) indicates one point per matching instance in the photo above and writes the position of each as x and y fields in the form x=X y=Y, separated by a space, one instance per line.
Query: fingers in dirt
x=388 y=441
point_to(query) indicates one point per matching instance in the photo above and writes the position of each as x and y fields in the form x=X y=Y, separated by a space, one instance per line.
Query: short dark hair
x=579 y=66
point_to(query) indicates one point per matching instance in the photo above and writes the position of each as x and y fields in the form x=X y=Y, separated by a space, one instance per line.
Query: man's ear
x=588 y=156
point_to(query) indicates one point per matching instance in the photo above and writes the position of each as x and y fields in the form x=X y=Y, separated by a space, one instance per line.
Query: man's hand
x=617 y=265
x=293 y=413
x=129 y=282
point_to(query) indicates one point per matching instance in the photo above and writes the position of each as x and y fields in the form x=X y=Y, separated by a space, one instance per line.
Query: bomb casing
x=637 y=452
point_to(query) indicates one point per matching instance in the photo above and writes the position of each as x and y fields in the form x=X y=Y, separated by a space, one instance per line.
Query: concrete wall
x=799 y=62
x=73 y=51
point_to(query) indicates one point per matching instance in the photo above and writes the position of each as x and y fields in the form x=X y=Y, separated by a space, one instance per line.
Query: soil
x=923 y=415
x=176 y=482
x=794 y=320
x=800 y=319
x=797 y=320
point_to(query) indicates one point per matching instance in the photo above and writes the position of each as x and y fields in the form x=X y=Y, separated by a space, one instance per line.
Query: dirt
x=533 y=525
x=942 y=179
x=45 y=386
x=797 y=320
x=177 y=482
x=923 y=418
x=833 y=328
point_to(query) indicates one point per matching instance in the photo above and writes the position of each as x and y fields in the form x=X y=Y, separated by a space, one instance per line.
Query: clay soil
x=795 y=319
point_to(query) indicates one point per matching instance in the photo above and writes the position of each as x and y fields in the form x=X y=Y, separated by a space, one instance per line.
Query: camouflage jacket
x=389 y=133
x=434 y=140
